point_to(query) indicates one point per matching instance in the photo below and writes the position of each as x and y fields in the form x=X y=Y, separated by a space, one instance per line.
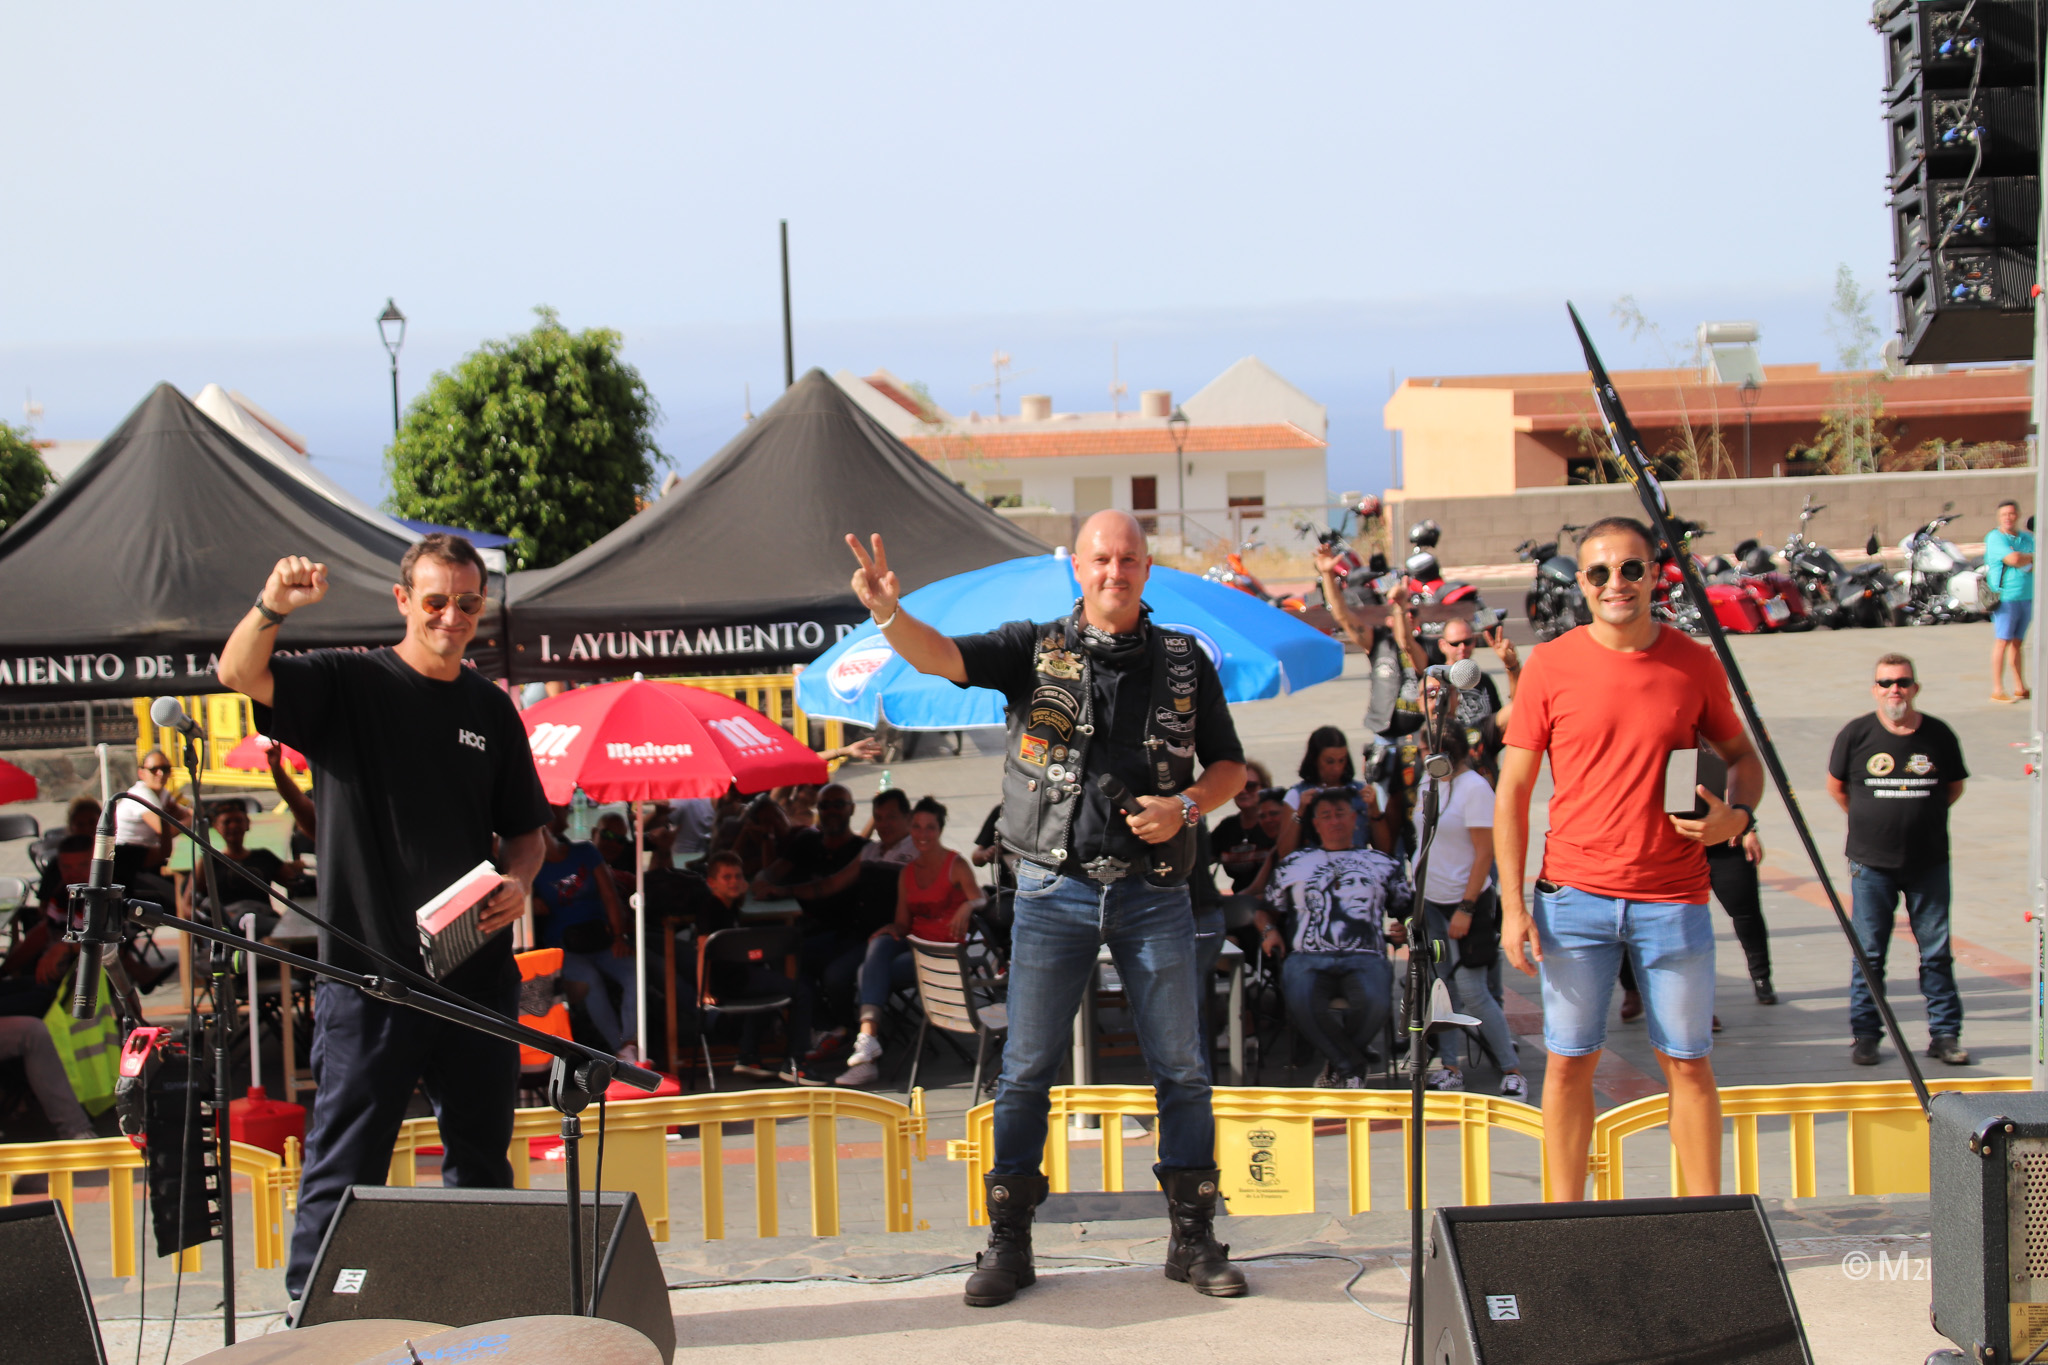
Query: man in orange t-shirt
x=1610 y=703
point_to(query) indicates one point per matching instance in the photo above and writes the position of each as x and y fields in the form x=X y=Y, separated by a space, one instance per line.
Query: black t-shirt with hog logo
x=1898 y=791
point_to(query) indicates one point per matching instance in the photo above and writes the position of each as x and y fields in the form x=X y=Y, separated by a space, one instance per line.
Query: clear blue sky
x=229 y=193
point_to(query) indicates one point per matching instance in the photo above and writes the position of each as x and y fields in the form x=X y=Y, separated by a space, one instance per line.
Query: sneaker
x=860 y=1073
x=1514 y=1085
x=1864 y=1053
x=866 y=1048
x=1946 y=1048
x=1351 y=1080
x=1443 y=1078
x=827 y=1045
x=1328 y=1079
x=794 y=1074
x=1631 y=1006
x=754 y=1069
x=1717 y=1023
x=1764 y=994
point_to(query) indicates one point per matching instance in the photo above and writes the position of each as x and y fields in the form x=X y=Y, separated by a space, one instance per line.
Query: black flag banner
x=1636 y=466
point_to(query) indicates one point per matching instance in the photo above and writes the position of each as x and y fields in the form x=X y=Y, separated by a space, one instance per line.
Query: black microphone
x=166 y=711
x=91 y=908
x=1118 y=795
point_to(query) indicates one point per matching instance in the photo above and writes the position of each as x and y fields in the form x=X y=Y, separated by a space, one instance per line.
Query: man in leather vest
x=1102 y=694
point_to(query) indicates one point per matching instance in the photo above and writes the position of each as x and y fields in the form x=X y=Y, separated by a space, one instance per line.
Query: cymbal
x=330 y=1341
x=548 y=1339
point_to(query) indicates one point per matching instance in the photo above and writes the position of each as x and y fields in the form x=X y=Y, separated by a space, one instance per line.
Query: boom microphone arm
x=1628 y=449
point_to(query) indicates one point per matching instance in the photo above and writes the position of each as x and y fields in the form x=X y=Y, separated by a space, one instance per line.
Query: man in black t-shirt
x=419 y=765
x=1896 y=772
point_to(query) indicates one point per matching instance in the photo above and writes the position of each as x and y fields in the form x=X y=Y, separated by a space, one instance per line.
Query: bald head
x=1112 y=563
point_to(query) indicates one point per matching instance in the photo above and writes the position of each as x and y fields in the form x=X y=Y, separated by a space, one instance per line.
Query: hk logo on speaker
x=1503 y=1308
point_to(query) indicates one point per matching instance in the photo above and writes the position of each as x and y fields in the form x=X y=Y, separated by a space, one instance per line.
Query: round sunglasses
x=1632 y=571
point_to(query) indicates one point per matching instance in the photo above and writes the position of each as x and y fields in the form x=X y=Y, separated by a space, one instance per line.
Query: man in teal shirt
x=2009 y=568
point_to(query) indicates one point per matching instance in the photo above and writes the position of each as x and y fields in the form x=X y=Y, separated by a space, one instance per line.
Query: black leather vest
x=1050 y=736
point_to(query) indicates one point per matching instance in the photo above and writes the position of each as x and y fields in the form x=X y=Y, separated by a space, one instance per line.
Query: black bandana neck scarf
x=1111 y=650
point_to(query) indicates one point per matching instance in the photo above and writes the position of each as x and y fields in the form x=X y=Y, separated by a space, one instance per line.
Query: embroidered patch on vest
x=1058 y=663
x=1032 y=750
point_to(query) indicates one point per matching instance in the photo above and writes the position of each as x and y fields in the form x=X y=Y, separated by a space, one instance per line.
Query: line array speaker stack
x=1649 y=1281
x=1963 y=117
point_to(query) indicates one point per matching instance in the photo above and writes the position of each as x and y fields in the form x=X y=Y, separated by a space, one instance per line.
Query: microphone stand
x=1424 y=1021
x=577 y=1077
x=221 y=987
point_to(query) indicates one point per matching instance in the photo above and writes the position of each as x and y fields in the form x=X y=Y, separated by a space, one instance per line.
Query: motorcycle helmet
x=1423 y=534
x=1377 y=565
x=1757 y=560
x=1422 y=566
x=1368 y=507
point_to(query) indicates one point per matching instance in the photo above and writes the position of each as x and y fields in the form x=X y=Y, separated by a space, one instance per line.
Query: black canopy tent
x=743 y=568
x=126 y=579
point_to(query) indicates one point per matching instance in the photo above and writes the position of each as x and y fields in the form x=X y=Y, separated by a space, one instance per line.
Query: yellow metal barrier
x=636 y=1150
x=1273 y=1121
x=60 y=1161
x=1887 y=1133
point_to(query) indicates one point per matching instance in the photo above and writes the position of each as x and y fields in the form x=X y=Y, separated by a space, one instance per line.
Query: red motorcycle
x=1424 y=577
x=1740 y=603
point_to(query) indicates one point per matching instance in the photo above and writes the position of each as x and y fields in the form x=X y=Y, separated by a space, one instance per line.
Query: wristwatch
x=1191 y=813
x=1750 y=811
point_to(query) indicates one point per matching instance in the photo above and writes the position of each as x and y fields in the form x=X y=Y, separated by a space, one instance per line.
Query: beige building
x=1253 y=447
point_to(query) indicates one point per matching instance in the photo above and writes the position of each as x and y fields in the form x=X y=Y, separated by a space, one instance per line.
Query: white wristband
x=884 y=625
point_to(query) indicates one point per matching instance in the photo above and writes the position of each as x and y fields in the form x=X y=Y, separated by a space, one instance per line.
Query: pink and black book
x=451 y=924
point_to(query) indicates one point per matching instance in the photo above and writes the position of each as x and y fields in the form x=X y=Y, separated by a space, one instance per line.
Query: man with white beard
x=1896 y=772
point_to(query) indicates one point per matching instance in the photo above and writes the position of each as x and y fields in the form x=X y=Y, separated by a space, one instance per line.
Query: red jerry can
x=264 y=1122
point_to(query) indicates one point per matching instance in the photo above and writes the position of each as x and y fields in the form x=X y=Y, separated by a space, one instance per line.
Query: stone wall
x=62 y=774
x=1485 y=530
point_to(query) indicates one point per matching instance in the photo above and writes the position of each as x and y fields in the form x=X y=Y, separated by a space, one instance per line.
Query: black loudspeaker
x=467 y=1256
x=1678 y=1281
x=1963 y=127
x=1988 y=1200
x=50 y=1319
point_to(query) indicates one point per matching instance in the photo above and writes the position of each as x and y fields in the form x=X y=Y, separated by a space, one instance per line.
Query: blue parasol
x=1259 y=651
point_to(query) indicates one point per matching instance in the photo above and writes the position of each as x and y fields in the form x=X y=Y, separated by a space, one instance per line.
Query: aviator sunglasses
x=1900 y=683
x=468 y=603
x=1632 y=571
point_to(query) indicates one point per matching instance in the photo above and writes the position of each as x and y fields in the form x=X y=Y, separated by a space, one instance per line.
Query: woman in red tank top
x=935 y=898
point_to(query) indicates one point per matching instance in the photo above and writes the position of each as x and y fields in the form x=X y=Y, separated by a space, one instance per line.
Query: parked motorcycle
x=1424 y=577
x=1738 y=605
x=1555 y=602
x=1836 y=595
x=1942 y=583
x=1232 y=573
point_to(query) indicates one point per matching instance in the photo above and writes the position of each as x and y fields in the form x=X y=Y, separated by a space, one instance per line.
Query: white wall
x=1293 y=477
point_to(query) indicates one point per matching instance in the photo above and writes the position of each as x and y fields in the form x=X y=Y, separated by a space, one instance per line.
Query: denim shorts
x=1671 y=946
x=2009 y=620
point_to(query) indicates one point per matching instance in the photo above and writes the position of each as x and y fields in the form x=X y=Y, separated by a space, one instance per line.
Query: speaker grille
x=2026 y=1211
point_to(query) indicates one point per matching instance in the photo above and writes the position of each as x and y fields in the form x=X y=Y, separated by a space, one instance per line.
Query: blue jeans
x=1471 y=995
x=1671 y=947
x=615 y=1026
x=1876 y=891
x=1310 y=981
x=887 y=967
x=1061 y=923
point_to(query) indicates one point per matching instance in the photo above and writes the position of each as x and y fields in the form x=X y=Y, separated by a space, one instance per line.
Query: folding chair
x=742 y=947
x=541 y=1007
x=956 y=1000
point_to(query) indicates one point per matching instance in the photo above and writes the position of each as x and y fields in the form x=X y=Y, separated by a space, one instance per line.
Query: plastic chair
x=19 y=825
x=956 y=1000
x=742 y=947
x=540 y=1007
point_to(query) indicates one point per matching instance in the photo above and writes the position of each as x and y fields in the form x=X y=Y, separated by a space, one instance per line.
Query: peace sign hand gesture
x=874 y=582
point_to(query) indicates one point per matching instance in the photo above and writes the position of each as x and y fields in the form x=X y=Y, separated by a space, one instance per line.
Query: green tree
x=24 y=478
x=545 y=437
x=1850 y=440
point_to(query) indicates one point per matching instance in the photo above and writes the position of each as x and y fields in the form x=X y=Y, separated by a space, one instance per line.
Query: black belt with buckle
x=1105 y=869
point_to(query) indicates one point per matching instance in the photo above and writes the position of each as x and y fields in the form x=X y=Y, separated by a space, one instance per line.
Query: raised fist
x=295 y=582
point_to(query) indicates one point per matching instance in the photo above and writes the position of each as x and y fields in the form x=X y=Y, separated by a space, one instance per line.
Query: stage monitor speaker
x=1988 y=1204
x=1641 y=1280
x=50 y=1321
x=469 y=1256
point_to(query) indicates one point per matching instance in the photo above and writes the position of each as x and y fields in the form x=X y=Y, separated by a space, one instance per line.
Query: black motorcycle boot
x=1194 y=1256
x=1005 y=1267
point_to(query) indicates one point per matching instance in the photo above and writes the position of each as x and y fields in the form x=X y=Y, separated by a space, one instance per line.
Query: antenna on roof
x=30 y=408
x=1117 y=387
x=749 y=389
x=1000 y=362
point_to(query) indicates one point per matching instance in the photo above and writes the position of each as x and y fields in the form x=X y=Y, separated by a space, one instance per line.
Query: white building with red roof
x=1252 y=446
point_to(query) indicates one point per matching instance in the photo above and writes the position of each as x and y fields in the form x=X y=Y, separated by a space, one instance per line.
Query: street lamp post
x=1750 y=392
x=1177 y=427
x=391 y=327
